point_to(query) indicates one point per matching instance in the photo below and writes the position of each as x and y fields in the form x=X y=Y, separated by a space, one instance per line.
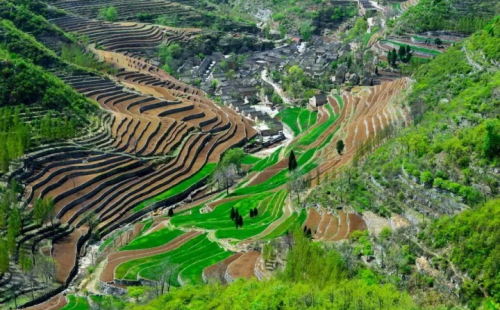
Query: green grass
x=415 y=48
x=76 y=303
x=280 y=178
x=220 y=217
x=368 y=36
x=270 y=210
x=268 y=161
x=298 y=119
x=192 y=273
x=294 y=221
x=307 y=119
x=186 y=257
x=419 y=38
x=179 y=188
x=314 y=134
x=250 y=160
x=154 y=239
x=290 y=117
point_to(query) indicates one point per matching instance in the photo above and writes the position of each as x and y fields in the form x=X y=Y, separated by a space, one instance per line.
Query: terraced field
x=157 y=140
x=128 y=9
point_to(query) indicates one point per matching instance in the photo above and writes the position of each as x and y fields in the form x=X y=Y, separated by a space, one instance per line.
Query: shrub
x=438 y=182
x=108 y=14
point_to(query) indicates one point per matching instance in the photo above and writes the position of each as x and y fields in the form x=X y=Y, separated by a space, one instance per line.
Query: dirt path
x=57 y=302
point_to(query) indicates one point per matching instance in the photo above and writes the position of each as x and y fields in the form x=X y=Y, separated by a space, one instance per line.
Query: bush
x=438 y=182
x=108 y=14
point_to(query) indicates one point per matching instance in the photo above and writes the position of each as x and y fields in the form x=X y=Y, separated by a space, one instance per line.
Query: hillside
x=168 y=155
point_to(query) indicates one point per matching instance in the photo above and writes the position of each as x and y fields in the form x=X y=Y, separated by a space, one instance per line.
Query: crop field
x=157 y=142
x=189 y=257
x=298 y=119
x=152 y=240
x=76 y=303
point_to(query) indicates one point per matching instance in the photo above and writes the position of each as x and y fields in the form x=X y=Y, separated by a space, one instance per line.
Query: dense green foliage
x=328 y=283
x=457 y=15
x=475 y=237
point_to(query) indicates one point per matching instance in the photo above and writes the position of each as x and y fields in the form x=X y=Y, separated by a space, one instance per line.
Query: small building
x=318 y=100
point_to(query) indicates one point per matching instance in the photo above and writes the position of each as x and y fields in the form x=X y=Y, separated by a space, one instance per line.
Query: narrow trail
x=276 y=86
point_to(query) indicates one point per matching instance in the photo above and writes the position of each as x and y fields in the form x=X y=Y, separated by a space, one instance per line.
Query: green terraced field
x=220 y=217
x=306 y=165
x=76 y=303
x=270 y=210
x=298 y=119
x=153 y=239
x=250 y=160
x=192 y=274
x=290 y=117
x=294 y=221
x=185 y=257
x=268 y=161
x=415 y=48
x=179 y=188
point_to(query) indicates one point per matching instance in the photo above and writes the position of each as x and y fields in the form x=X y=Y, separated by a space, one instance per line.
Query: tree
x=292 y=162
x=171 y=212
x=4 y=256
x=306 y=30
x=233 y=156
x=44 y=210
x=296 y=184
x=402 y=53
x=135 y=292
x=240 y=221
x=226 y=176
x=340 y=146
x=255 y=212
x=45 y=268
x=376 y=70
x=215 y=83
x=491 y=145
x=108 y=14
x=15 y=224
x=251 y=213
x=165 y=272
x=233 y=214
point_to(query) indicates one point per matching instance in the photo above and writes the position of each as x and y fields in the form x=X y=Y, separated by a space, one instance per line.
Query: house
x=317 y=101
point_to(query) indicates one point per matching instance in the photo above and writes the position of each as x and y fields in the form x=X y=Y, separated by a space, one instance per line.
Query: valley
x=158 y=148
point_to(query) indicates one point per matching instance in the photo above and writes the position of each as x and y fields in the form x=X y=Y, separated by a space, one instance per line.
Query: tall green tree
x=15 y=225
x=292 y=162
x=491 y=146
x=4 y=256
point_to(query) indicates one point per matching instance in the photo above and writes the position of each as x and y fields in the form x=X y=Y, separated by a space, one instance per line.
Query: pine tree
x=376 y=70
x=15 y=223
x=4 y=256
x=340 y=146
x=171 y=212
x=240 y=221
x=255 y=212
x=309 y=233
x=232 y=213
x=402 y=53
x=292 y=162
x=251 y=213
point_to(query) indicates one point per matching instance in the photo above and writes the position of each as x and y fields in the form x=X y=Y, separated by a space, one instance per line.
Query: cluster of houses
x=243 y=89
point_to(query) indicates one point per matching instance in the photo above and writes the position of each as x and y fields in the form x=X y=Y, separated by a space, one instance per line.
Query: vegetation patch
x=179 y=188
